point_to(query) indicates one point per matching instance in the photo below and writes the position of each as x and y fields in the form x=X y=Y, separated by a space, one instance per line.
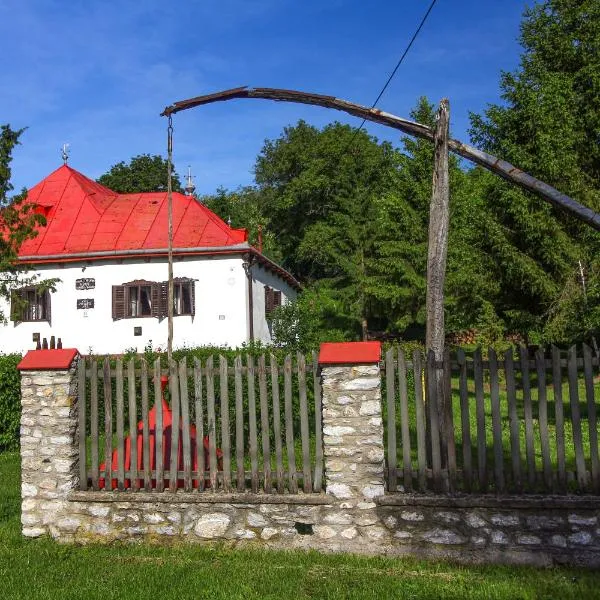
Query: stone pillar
x=49 y=437
x=352 y=422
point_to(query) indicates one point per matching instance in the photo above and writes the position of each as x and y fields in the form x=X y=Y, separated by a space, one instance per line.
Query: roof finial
x=190 y=187
x=65 y=153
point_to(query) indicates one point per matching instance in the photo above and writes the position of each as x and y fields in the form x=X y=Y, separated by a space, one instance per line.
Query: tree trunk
x=439 y=217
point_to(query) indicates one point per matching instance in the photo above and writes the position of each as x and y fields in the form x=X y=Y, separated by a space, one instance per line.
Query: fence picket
x=264 y=423
x=289 y=425
x=120 y=426
x=83 y=478
x=254 y=480
x=465 y=423
x=528 y=414
x=304 y=430
x=511 y=398
x=391 y=419
x=277 y=426
x=434 y=422
x=133 y=432
x=225 y=430
x=159 y=430
x=185 y=425
x=592 y=419
x=449 y=422
x=559 y=420
x=174 y=393
x=145 y=429
x=496 y=421
x=199 y=409
x=480 y=411
x=212 y=424
x=239 y=425
x=540 y=360
x=318 y=480
x=576 y=418
x=405 y=423
x=420 y=416
x=94 y=423
x=107 y=426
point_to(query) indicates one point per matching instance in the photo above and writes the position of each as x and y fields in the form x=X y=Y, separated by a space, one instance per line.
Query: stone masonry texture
x=354 y=515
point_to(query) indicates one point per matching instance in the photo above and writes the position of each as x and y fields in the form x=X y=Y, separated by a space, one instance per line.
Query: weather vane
x=65 y=153
x=190 y=187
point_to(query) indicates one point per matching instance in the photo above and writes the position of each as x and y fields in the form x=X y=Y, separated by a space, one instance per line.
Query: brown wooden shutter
x=276 y=298
x=47 y=306
x=118 y=302
x=192 y=285
x=16 y=308
x=163 y=302
x=155 y=300
x=269 y=298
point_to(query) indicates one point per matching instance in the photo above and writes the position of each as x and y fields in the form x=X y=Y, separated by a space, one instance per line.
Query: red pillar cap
x=349 y=353
x=48 y=360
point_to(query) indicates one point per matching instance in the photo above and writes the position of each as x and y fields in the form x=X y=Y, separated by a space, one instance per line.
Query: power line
x=400 y=61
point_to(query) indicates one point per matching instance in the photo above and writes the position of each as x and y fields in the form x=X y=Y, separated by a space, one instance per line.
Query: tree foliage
x=18 y=221
x=143 y=173
x=548 y=125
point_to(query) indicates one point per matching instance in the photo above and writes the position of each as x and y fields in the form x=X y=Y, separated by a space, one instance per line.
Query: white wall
x=260 y=278
x=221 y=307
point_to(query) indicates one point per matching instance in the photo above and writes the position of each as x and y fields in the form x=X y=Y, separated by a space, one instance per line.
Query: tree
x=326 y=192
x=18 y=222
x=143 y=173
x=549 y=125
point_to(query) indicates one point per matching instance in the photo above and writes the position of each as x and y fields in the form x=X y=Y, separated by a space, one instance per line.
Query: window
x=139 y=299
x=183 y=296
x=30 y=304
x=272 y=299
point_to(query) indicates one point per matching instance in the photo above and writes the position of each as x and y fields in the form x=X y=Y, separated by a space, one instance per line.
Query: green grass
x=43 y=569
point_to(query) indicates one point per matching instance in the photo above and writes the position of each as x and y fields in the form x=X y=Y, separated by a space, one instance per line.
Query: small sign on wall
x=86 y=283
x=85 y=303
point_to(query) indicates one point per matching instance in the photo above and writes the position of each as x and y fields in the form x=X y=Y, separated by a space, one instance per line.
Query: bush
x=10 y=401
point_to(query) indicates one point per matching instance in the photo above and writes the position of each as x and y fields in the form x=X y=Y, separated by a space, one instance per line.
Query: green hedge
x=10 y=401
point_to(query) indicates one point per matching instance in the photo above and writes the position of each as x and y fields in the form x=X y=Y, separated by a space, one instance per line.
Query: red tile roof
x=84 y=217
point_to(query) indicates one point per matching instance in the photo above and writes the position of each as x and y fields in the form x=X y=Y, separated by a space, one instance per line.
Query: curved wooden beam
x=495 y=165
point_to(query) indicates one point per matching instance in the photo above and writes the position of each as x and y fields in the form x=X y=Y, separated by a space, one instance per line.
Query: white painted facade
x=221 y=306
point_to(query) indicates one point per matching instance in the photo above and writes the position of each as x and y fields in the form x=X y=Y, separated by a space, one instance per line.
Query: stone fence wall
x=353 y=515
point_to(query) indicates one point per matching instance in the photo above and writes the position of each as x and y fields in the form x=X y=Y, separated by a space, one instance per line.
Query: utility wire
x=400 y=61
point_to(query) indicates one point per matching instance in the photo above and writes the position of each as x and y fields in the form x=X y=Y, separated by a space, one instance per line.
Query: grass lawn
x=44 y=569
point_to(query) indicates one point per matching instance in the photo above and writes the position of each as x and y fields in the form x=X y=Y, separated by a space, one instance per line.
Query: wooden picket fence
x=525 y=424
x=216 y=416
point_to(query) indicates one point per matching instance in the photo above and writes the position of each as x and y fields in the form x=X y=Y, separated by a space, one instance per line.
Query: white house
x=109 y=252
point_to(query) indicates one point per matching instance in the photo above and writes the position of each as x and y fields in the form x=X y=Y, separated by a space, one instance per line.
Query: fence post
x=352 y=421
x=49 y=440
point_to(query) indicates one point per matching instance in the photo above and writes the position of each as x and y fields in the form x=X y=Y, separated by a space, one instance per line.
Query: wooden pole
x=170 y=252
x=437 y=251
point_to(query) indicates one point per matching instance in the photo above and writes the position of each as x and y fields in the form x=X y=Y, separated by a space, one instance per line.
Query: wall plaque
x=86 y=283
x=85 y=303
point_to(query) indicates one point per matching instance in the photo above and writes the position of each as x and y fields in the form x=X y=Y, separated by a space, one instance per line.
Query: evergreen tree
x=548 y=126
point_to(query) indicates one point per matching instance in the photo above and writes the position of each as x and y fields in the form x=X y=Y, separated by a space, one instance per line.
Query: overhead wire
x=393 y=73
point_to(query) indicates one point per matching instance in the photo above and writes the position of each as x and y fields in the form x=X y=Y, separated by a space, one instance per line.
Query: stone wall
x=353 y=515
x=49 y=448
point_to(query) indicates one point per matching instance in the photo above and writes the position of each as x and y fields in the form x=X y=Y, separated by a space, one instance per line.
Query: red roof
x=83 y=216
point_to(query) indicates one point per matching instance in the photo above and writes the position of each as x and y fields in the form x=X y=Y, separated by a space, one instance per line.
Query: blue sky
x=97 y=74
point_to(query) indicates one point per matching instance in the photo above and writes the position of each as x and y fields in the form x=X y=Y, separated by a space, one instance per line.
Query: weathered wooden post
x=439 y=218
